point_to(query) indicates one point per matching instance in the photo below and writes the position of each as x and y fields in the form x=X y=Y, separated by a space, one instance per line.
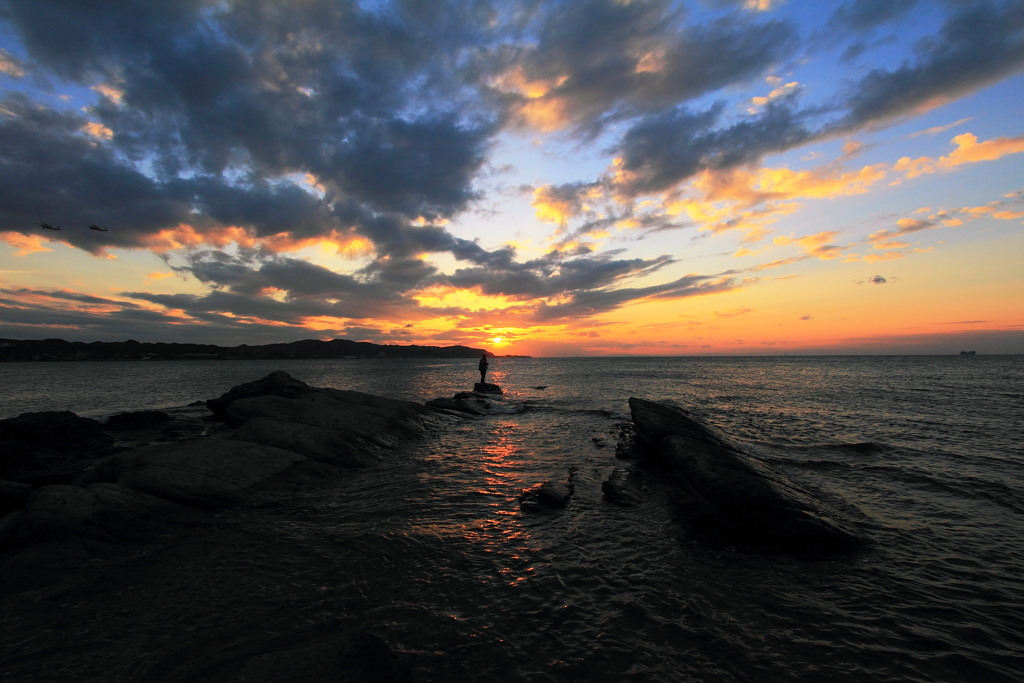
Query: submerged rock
x=742 y=496
x=139 y=419
x=621 y=489
x=548 y=496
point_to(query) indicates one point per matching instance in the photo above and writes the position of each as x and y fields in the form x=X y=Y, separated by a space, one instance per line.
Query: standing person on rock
x=483 y=367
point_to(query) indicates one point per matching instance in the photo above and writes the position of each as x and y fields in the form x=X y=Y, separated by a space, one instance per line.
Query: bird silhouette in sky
x=47 y=226
x=93 y=226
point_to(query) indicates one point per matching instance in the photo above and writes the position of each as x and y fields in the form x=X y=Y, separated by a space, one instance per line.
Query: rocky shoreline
x=73 y=489
x=85 y=505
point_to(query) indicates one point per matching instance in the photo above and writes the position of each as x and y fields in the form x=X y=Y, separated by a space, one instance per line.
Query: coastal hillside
x=61 y=350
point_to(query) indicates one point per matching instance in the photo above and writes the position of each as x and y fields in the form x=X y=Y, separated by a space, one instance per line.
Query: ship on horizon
x=968 y=353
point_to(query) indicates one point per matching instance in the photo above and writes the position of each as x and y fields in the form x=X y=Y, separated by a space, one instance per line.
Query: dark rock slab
x=18 y=457
x=621 y=489
x=278 y=383
x=207 y=473
x=8 y=526
x=744 y=496
x=64 y=473
x=50 y=561
x=323 y=445
x=487 y=388
x=13 y=495
x=103 y=512
x=381 y=421
x=139 y=419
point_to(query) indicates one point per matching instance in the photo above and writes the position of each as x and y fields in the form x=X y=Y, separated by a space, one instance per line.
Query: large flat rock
x=749 y=498
x=209 y=473
x=320 y=444
x=103 y=512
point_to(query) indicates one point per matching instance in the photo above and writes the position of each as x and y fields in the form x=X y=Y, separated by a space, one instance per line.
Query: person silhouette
x=483 y=367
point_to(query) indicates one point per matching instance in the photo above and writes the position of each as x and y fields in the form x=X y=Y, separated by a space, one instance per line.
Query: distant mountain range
x=60 y=350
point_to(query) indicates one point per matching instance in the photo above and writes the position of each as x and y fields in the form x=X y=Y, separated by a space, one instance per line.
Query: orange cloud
x=111 y=92
x=186 y=236
x=10 y=65
x=554 y=205
x=905 y=226
x=968 y=151
x=724 y=197
x=342 y=243
x=940 y=129
x=733 y=312
x=25 y=244
x=815 y=245
x=97 y=130
x=159 y=276
x=780 y=262
x=540 y=110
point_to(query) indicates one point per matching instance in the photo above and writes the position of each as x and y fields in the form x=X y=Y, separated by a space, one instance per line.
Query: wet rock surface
x=621 y=488
x=548 y=496
x=71 y=492
x=321 y=444
x=208 y=474
x=136 y=420
x=735 y=494
x=487 y=388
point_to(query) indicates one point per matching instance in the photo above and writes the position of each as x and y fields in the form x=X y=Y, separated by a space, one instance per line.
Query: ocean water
x=429 y=551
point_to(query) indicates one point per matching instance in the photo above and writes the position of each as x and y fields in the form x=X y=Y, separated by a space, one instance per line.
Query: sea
x=430 y=552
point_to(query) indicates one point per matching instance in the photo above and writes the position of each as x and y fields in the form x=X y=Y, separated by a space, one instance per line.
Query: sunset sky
x=601 y=177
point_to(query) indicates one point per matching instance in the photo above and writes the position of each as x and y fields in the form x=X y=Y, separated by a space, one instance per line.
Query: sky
x=595 y=177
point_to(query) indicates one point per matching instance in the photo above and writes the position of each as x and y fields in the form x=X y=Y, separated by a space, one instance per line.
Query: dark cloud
x=864 y=15
x=219 y=104
x=34 y=314
x=268 y=124
x=50 y=171
x=608 y=60
x=551 y=276
x=878 y=280
x=977 y=45
x=663 y=149
x=593 y=302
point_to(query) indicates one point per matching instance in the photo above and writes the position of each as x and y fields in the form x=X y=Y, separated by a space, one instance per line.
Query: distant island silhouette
x=27 y=350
